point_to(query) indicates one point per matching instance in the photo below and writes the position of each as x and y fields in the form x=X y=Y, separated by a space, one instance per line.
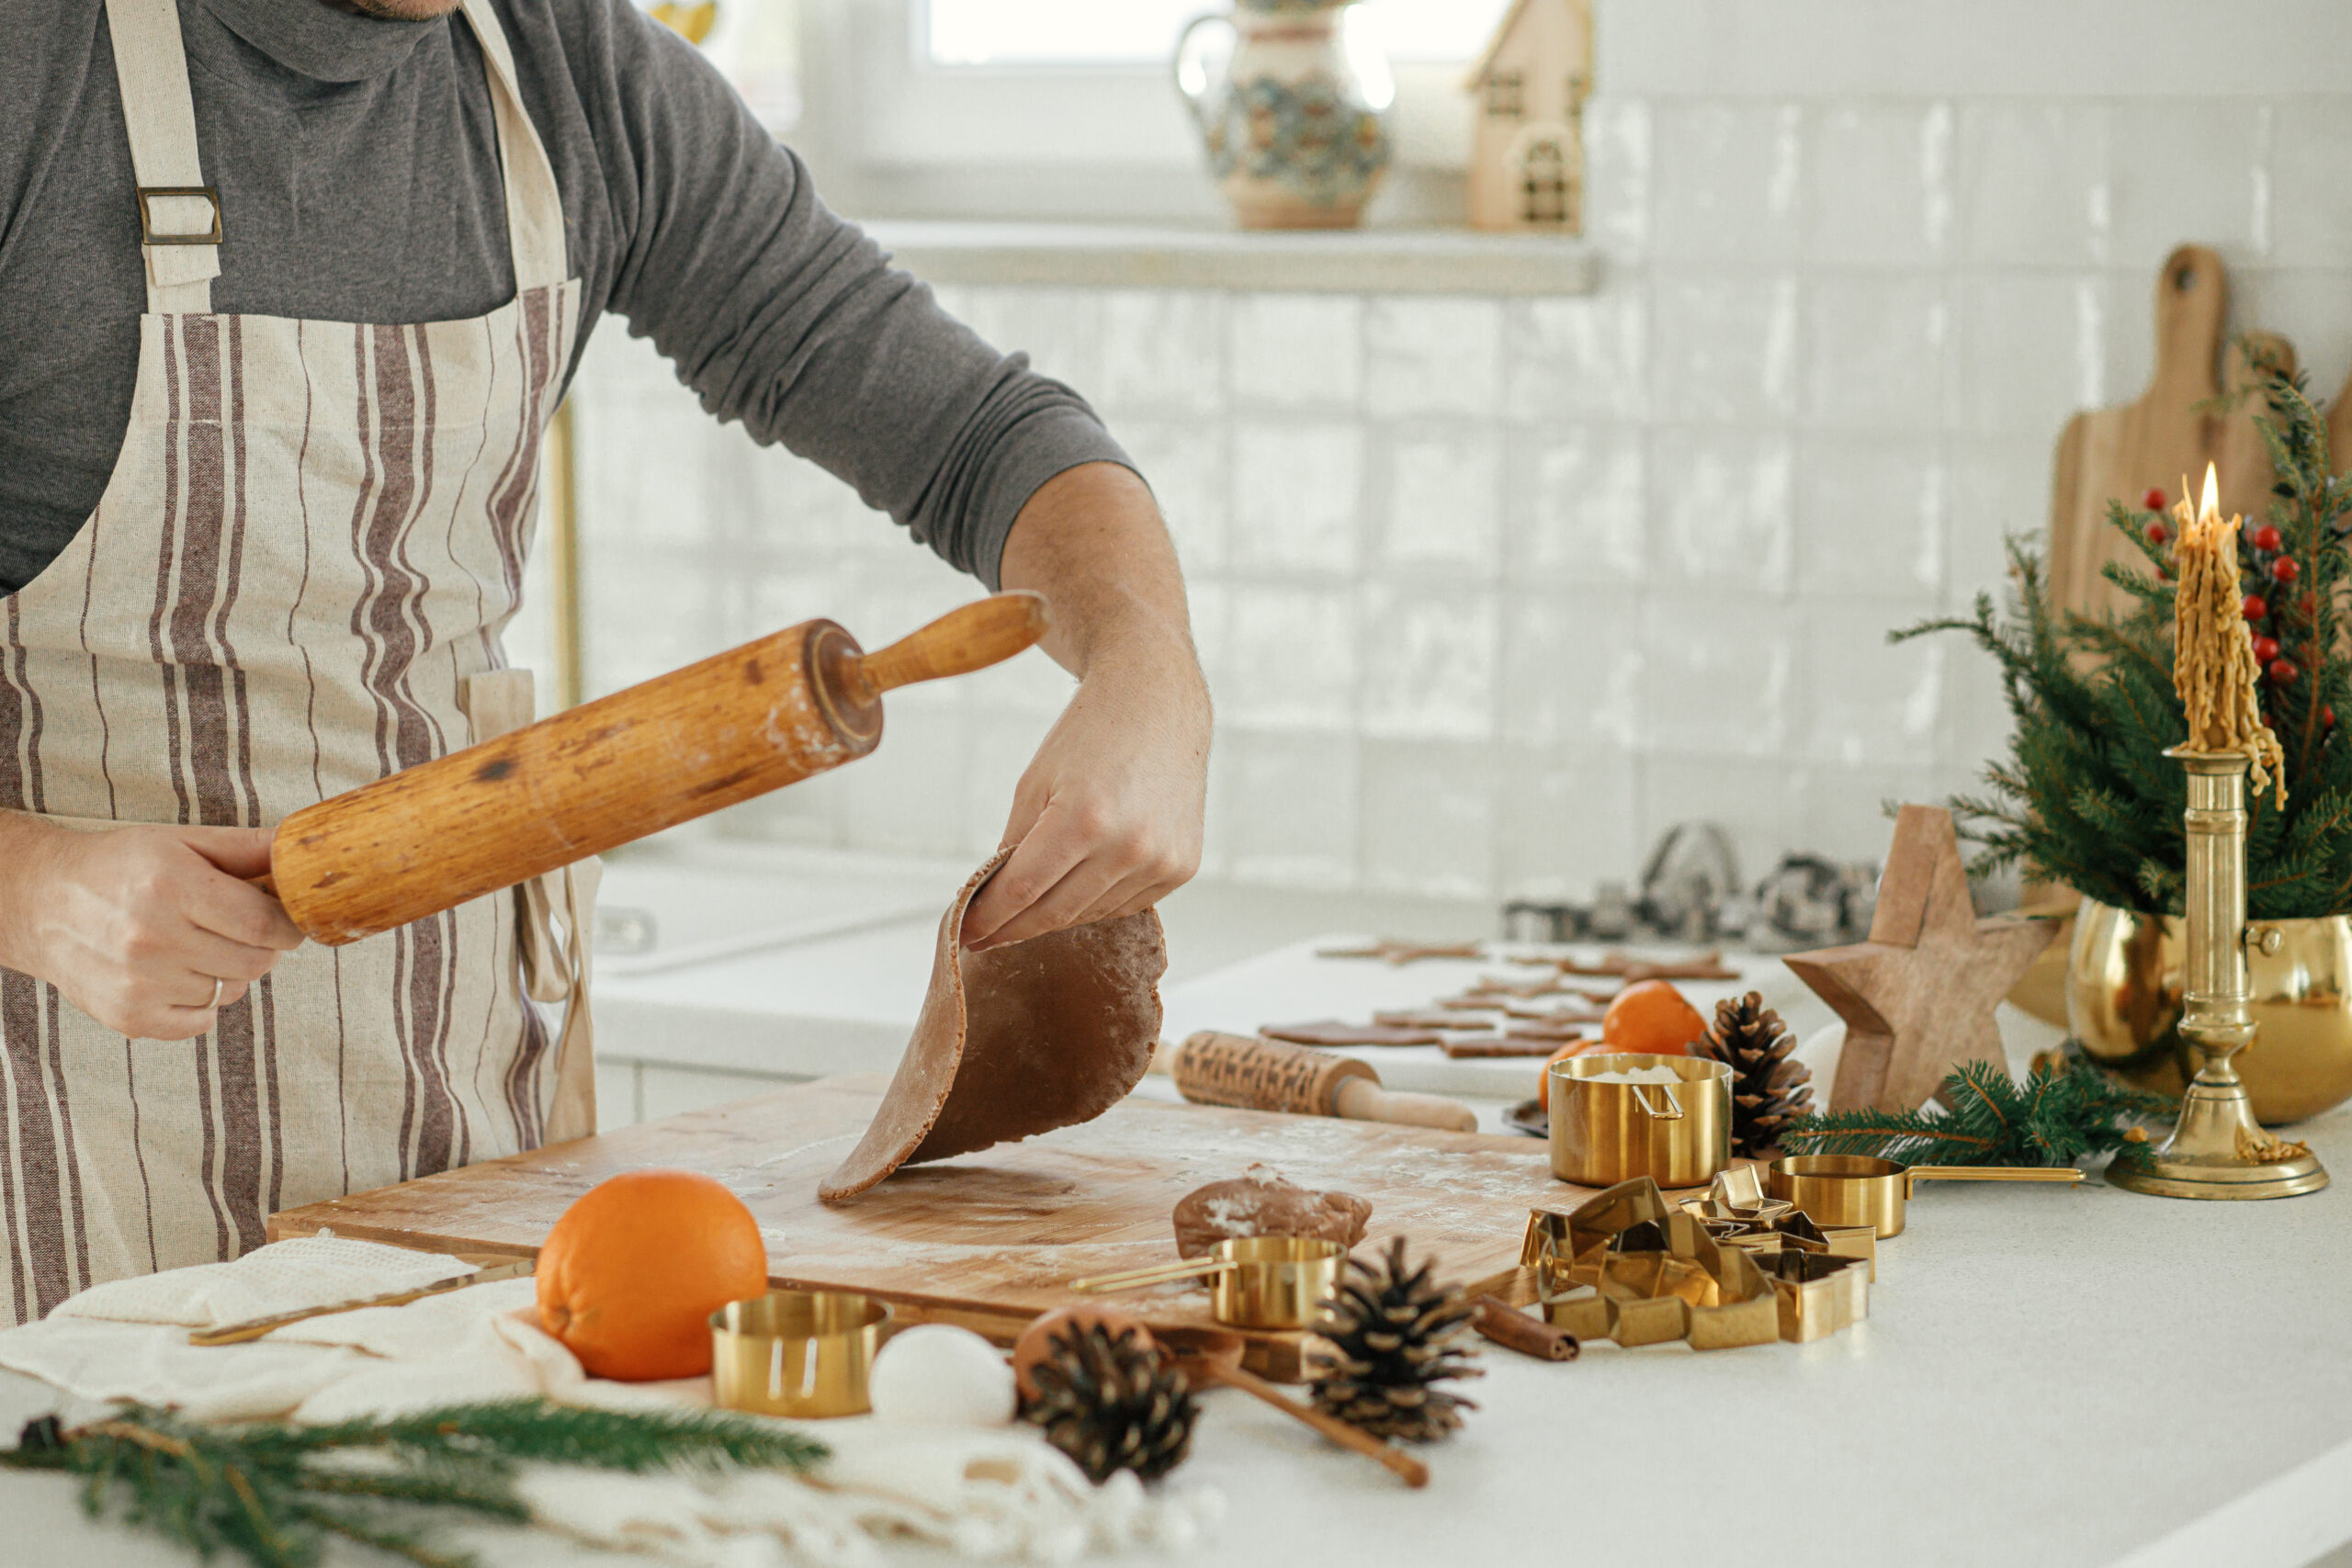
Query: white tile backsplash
x=1298 y=488
x=1879 y=183
x=1429 y=662
x=1725 y=347
x=1441 y=494
x=1874 y=349
x=1582 y=516
x=1726 y=180
x=1297 y=351
x=1870 y=515
x=2034 y=183
x=2195 y=171
x=1427 y=817
x=1433 y=356
x=1491 y=591
x=1720 y=501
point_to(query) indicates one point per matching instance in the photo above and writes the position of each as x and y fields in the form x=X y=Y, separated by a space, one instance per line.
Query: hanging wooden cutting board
x=2171 y=431
x=991 y=1239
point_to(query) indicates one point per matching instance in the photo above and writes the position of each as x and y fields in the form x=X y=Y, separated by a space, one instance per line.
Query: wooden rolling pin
x=1211 y=1068
x=678 y=747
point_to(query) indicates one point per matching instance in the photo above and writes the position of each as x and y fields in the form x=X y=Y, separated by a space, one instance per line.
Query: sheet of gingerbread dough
x=1046 y=1033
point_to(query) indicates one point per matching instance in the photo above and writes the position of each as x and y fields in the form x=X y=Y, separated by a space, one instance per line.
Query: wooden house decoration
x=1527 y=161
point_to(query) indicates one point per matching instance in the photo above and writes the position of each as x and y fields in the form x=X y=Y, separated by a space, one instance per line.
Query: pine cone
x=1768 y=1086
x=1110 y=1405
x=1393 y=1333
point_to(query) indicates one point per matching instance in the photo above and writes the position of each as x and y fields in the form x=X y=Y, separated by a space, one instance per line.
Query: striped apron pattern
x=294 y=585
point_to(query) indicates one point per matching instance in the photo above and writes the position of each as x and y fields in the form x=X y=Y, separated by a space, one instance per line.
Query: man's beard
x=396 y=10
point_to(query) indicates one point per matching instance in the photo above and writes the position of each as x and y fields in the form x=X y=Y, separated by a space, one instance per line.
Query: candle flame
x=2209 y=508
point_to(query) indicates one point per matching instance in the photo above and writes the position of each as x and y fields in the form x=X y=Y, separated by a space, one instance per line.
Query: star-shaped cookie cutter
x=1736 y=1211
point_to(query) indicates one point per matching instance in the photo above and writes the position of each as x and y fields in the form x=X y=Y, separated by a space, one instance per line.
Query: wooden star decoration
x=1918 y=997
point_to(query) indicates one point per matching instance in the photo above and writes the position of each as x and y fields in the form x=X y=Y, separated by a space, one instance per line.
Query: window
x=1507 y=94
x=1142 y=32
x=1067 y=109
x=1544 y=183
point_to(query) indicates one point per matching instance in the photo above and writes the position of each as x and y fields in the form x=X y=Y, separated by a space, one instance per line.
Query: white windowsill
x=1369 y=261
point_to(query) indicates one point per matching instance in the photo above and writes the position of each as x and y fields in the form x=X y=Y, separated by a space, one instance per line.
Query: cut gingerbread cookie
x=1018 y=1041
x=1331 y=1032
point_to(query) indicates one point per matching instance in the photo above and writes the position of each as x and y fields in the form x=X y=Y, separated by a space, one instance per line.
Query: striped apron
x=293 y=585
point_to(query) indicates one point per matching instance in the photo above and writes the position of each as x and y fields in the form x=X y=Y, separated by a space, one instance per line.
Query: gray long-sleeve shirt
x=359 y=181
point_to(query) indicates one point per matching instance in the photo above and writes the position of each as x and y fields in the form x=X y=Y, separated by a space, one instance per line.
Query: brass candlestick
x=2218 y=1150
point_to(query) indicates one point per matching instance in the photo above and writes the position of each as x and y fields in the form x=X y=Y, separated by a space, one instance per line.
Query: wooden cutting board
x=990 y=1240
x=2119 y=454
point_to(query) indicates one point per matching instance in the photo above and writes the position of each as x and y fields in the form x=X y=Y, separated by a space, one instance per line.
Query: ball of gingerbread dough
x=1260 y=1203
x=938 y=1375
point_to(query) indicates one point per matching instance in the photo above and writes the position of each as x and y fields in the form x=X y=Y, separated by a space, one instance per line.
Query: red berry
x=2265 y=649
x=2158 y=532
x=2285 y=569
x=2254 y=606
x=2327 y=717
x=2282 y=671
x=2153 y=500
x=2267 y=539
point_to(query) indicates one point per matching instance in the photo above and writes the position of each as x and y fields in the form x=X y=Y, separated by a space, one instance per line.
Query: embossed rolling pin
x=680 y=746
x=1211 y=1068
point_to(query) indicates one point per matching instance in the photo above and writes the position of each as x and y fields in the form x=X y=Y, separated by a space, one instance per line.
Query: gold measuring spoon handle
x=1159 y=1274
x=1988 y=1173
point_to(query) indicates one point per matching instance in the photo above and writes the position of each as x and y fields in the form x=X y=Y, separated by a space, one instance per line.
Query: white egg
x=937 y=1375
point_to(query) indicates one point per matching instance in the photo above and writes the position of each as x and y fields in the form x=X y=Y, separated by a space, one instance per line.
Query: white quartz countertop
x=2078 y=1378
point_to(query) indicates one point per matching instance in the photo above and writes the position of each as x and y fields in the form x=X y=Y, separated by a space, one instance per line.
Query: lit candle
x=2213 y=664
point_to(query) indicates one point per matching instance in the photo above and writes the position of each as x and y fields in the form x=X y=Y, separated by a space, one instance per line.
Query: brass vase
x=2124 y=979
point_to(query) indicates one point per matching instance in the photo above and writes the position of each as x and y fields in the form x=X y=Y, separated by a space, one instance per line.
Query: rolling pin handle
x=1363 y=1100
x=973 y=637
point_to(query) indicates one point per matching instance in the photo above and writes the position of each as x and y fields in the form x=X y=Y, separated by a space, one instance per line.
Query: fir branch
x=275 y=1494
x=2063 y=1111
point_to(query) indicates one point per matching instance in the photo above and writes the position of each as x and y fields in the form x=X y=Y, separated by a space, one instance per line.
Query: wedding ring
x=219 y=985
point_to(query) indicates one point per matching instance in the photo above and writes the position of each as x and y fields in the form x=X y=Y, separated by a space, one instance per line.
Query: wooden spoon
x=1215 y=1356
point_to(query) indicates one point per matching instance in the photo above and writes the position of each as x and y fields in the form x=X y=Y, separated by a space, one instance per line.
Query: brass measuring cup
x=1862 y=1189
x=1677 y=1134
x=1262 y=1281
x=803 y=1353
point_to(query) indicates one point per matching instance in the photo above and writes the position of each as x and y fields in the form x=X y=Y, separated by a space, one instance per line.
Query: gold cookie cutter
x=1627 y=1266
x=1736 y=1211
x=1817 y=1293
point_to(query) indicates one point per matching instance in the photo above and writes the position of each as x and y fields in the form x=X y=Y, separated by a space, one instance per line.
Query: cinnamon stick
x=1514 y=1330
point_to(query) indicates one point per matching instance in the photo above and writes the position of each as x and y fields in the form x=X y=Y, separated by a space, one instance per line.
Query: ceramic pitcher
x=1293 y=110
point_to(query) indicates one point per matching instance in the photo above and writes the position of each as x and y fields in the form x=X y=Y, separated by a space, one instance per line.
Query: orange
x=630 y=1275
x=1650 y=1017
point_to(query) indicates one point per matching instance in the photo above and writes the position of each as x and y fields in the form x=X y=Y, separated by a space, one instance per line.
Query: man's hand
x=136 y=924
x=1107 y=818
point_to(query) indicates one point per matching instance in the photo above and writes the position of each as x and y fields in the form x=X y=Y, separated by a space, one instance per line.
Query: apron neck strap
x=179 y=215
x=533 y=206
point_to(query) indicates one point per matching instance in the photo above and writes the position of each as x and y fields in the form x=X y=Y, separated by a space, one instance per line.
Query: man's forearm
x=1091 y=541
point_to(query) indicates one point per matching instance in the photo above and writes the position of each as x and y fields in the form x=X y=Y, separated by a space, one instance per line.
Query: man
x=288 y=291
